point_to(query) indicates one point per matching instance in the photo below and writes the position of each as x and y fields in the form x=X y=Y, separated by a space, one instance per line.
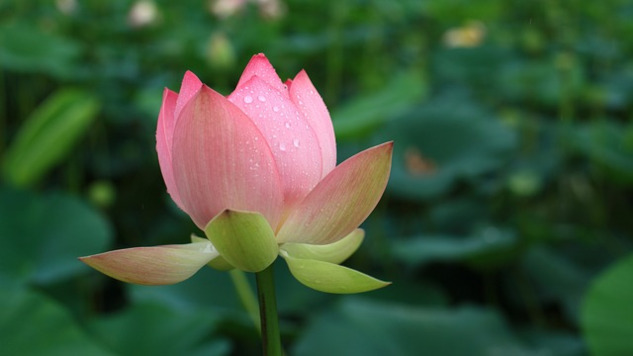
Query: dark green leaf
x=155 y=329
x=31 y=324
x=362 y=327
x=42 y=236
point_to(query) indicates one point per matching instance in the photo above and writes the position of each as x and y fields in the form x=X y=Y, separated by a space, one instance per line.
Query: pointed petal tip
x=260 y=65
x=190 y=77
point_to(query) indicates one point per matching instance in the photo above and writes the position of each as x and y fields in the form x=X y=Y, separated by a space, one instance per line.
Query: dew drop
x=287 y=125
x=276 y=108
x=295 y=142
x=282 y=146
x=248 y=99
x=261 y=98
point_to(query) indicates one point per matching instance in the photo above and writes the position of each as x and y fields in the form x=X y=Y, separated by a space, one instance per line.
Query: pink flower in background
x=256 y=170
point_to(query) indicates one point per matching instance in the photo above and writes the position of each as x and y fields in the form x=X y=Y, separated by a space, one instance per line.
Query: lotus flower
x=256 y=171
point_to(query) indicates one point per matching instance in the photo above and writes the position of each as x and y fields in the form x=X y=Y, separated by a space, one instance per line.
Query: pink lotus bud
x=268 y=147
x=257 y=171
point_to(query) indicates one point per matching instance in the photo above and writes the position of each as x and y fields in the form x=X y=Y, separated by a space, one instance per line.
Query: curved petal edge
x=221 y=161
x=156 y=265
x=244 y=239
x=331 y=278
x=335 y=252
x=342 y=200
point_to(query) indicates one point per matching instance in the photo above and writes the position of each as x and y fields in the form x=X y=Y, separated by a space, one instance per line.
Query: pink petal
x=309 y=102
x=292 y=141
x=342 y=200
x=164 y=138
x=189 y=87
x=261 y=67
x=222 y=161
x=157 y=265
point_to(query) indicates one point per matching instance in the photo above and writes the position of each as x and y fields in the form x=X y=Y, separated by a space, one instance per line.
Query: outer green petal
x=336 y=252
x=156 y=265
x=219 y=262
x=331 y=278
x=244 y=239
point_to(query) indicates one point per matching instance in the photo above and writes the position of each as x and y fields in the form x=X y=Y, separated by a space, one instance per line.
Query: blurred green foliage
x=508 y=205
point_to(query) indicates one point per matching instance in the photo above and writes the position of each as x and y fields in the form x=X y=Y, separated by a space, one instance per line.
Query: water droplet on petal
x=261 y=98
x=282 y=146
x=295 y=142
x=276 y=108
x=248 y=99
x=287 y=125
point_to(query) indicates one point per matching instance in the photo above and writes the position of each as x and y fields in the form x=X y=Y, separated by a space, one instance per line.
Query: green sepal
x=244 y=239
x=218 y=263
x=329 y=277
x=335 y=252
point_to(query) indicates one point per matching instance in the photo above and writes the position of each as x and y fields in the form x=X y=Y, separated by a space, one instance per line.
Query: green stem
x=271 y=341
x=246 y=295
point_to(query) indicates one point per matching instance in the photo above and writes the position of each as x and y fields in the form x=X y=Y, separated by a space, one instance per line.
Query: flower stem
x=246 y=295
x=271 y=340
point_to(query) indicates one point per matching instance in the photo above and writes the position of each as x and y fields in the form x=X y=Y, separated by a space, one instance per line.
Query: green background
x=505 y=228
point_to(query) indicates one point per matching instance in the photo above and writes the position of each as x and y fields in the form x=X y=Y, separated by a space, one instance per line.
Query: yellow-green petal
x=244 y=239
x=336 y=252
x=331 y=278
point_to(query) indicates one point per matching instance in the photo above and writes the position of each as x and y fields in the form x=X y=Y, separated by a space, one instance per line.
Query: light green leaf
x=336 y=252
x=244 y=239
x=48 y=135
x=331 y=278
x=607 y=314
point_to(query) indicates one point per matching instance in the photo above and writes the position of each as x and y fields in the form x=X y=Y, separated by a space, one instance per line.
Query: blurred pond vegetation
x=505 y=228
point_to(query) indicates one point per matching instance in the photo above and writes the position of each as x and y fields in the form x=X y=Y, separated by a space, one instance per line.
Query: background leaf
x=42 y=236
x=48 y=135
x=607 y=311
x=31 y=324
x=371 y=328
